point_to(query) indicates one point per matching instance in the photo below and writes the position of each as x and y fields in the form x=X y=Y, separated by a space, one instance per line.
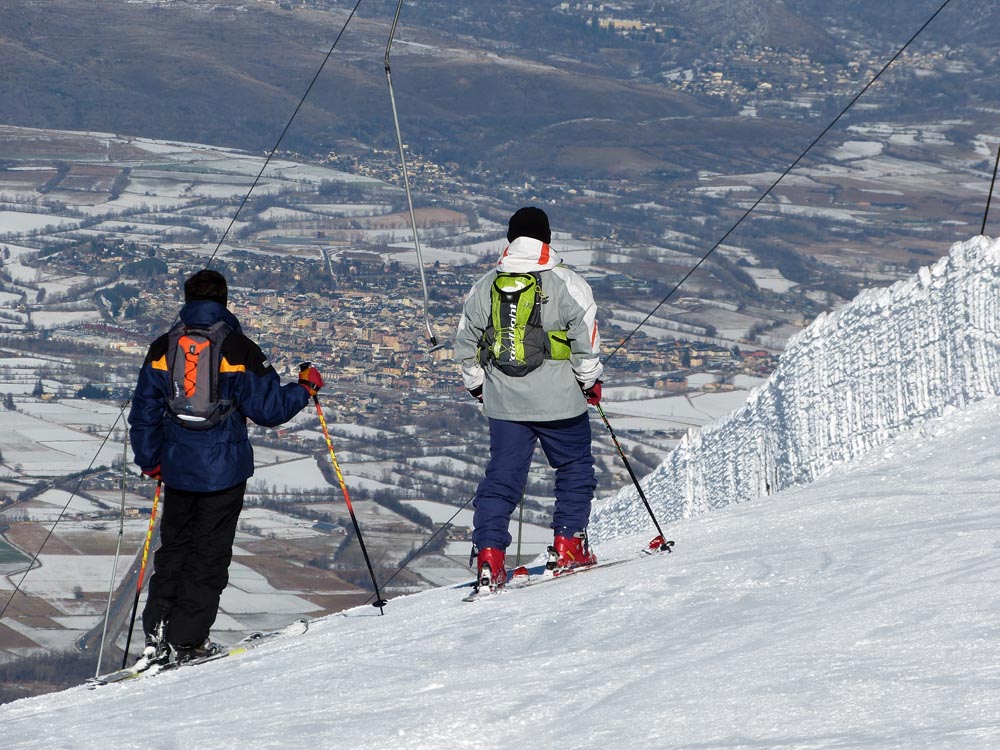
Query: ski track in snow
x=856 y=613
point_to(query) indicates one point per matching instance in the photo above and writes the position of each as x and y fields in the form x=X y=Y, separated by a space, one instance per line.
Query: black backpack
x=194 y=356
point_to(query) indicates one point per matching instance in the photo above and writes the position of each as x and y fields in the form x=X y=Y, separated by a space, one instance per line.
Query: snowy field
x=770 y=279
x=269 y=523
x=50 y=505
x=349 y=209
x=39 y=448
x=264 y=455
x=533 y=538
x=21 y=222
x=174 y=177
x=59 y=319
x=302 y=474
x=430 y=254
x=449 y=464
x=58 y=574
x=855 y=614
x=76 y=413
x=249 y=593
x=672 y=412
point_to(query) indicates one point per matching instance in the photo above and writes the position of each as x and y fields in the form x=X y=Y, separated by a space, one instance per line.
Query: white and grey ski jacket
x=552 y=391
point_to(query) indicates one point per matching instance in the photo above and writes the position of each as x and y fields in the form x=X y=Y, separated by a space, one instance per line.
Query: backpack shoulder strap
x=218 y=332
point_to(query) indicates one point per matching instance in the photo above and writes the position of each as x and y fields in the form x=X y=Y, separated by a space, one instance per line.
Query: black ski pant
x=191 y=567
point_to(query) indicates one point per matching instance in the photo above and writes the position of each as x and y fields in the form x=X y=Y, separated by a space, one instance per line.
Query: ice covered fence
x=886 y=362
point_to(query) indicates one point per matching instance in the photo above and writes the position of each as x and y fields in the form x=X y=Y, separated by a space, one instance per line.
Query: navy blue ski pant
x=566 y=443
x=192 y=563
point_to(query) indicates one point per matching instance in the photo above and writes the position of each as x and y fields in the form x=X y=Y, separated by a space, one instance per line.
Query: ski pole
x=520 y=529
x=989 y=197
x=379 y=601
x=142 y=570
x=664 y=545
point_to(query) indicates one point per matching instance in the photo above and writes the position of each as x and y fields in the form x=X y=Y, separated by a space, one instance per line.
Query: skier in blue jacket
x=204 y=471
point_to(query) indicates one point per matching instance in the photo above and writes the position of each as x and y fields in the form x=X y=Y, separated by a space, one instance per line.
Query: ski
x=524 y=577
x=248 y=643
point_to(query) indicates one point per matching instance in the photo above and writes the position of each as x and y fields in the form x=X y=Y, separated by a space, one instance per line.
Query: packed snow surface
x=858 y=612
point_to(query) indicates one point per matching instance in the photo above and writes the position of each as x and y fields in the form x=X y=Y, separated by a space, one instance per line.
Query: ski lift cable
x=406 y=179
x=232 y=223
x=416 y=553
x=284 y=132
x=774 y=184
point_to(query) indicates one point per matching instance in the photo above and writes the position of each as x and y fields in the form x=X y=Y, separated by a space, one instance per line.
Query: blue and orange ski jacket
x=220 y=457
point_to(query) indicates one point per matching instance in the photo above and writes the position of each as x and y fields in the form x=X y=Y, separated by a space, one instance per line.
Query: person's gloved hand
x=309 y=378
x=477 y=393
x=593 y=393
x=153 y=472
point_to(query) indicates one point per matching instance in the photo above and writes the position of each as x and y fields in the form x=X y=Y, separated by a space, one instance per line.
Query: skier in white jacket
x=547 y=404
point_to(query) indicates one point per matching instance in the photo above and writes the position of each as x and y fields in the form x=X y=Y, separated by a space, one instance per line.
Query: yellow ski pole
x=142 y=569
x=379 y=601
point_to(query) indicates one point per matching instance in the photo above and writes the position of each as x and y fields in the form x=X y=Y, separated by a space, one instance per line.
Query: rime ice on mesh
x=886 y=362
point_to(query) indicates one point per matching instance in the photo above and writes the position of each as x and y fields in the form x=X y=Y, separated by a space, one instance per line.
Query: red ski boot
x=570 y=552
x=492 y=573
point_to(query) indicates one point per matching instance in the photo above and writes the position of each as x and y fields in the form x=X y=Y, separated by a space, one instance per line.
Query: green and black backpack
x=514 y=341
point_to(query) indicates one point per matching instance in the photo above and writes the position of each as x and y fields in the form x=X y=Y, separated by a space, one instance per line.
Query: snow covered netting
x=886 y=362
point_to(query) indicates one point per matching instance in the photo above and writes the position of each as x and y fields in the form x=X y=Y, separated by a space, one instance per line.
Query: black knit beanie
x=529 y=222
x=206 y=284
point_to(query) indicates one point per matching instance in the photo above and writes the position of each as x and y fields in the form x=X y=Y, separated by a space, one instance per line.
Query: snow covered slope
x=889 y=360
x=858 y=613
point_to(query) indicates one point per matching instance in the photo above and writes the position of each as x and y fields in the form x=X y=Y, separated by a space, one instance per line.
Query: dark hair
x=205 y=284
